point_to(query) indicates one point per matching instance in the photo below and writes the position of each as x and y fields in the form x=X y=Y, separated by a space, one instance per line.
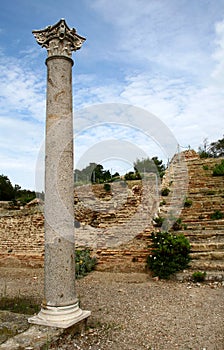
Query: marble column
x=60 y=307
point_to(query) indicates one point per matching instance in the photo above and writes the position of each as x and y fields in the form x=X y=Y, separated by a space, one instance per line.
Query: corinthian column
x=60 y=305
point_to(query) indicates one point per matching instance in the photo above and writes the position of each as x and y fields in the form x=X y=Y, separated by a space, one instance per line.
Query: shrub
x=84 y=263
x=218 y=170
x=177 y=225
x=204 y=154
x=158 y=221
x=165 y=191
x=209 y=192
x=217 y=215
x=187 y=203
x=107 y=187
x=170 y=254
x=205 y=167
x=198 y=276
x=132 y=175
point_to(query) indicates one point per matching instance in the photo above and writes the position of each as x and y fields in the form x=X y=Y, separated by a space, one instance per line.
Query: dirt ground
x=134 y=311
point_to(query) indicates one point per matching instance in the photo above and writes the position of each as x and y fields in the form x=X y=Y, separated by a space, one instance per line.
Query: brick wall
x=22 y=237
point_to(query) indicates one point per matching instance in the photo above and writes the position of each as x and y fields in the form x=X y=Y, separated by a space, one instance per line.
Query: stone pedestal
x=60 y=307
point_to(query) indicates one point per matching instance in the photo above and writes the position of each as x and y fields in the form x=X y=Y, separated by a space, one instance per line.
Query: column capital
x=59 y=39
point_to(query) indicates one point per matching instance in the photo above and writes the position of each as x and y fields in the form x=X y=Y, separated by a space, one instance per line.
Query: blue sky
x=163 y=56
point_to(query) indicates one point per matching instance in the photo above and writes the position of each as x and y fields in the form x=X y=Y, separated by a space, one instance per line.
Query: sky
x=147 y=61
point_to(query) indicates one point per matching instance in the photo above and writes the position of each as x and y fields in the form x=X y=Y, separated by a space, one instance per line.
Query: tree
x=132 y=175
x=7 y=192
x=217 y=148
x=116 y=174
x=10 y=193
x=214 y=149
x=148 y=165
x=204 y=150
x=94 y=173
x=160 y=166
x=24 y=196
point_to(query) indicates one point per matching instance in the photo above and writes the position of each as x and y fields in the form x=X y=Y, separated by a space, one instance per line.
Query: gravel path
x=135 y=312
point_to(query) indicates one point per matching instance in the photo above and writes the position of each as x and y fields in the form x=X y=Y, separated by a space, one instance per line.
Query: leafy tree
x=217 y=148
x=132 y=175
x=10 y=193
x=24 y=196
x=7 y=192
x=116 y=174
x=214 y=149
x=86 y=174
x=94 y=173
x=150 y=166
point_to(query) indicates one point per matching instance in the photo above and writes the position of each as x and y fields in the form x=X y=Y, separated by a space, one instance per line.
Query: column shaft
x=59 y=185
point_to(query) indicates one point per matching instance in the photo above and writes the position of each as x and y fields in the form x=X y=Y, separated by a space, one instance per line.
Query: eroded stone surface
x=11 y=324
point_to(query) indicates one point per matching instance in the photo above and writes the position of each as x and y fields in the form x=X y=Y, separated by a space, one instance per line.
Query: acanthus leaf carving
x=59 y=39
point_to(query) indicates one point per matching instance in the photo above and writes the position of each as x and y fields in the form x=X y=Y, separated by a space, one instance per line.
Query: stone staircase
x=188 y=177
x=205 y=195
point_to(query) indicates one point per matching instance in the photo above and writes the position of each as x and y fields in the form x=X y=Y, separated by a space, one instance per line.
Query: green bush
x=177 y=225
x=205 y=167
x=187 y=203
x=107 y=187
x=198 y=276
x=165 y=191
x=209 y=192
x=170 y=254
x=84 y=263
x=218 y=170
x=204 y=154
x=158 y=221
x=217 y=215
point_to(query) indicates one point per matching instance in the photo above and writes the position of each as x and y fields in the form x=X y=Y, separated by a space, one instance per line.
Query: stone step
x=207 y=265
x=197 y=203
x=203 y=231
x=207 y=247
x=208 y=255
x=202 y=239
x=211 y=276
x=204 y=224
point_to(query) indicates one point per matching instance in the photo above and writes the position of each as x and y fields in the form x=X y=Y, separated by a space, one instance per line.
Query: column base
x=59 y=316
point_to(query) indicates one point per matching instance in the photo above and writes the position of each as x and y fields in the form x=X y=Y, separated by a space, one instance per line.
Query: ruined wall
x=21 y=237
x=22 y=231
x=120 y=220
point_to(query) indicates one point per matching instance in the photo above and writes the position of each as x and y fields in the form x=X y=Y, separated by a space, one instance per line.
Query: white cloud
x=191 y=108
x=21 y=90
x=22 y=105
x=159 y=35
x=218 y=74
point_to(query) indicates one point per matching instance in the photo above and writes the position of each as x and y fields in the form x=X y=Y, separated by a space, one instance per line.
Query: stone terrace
x=22 y=231
x=206 y=193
